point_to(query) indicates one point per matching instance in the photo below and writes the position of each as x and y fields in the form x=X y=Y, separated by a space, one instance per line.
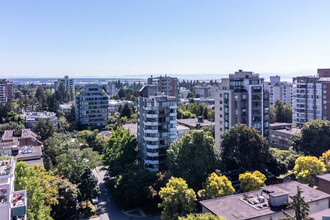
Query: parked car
x=95 y=200
x=106 y=176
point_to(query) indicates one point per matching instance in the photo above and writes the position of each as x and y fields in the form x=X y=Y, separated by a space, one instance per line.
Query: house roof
x=324 y=177
x=234 y=207
x=132 y=127
x=192 y=122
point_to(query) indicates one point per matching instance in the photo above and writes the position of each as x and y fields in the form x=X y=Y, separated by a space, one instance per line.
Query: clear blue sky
x=93 y=38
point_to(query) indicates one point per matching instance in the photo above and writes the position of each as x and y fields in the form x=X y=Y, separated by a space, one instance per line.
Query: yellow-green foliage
x=307 y=168
x=177 y=199
x=206 y=216
x=217 y=186
x=252 y=181
x=325 y=158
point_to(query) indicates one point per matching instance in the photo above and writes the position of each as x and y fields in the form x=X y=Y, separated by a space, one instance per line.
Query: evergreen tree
x=88 y=187
x=300 y=207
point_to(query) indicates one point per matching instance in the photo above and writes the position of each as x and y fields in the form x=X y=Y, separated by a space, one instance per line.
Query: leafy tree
x=91 y=139
x=67 y=195
x=280 y=112
x=72 y=163
x=307 y=168
x=325 y=158
x=53 y=104
x=119 y=150
x=41 y=97
x=182 y=114
x=62 y=124
x=205 y=113
x=41 y=189
x=126 y=110
x=199 y=216
x=300 y=207
x=272 y=114
x=44 y=127
x=88 y=186
x=193 y=157
x=17 y=127
x=243 y=147
x=288 y=157
x=131 y=186
x=177 y=199
x=211 y=115
x=313 y=139
x=251 y=181
x=216 y=186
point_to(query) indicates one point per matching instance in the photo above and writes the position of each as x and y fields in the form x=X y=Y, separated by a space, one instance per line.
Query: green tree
x=313 y=139
x=177 y=199
x=243 y=147
x=300 y=207
x=252 y=181
x=44 y=127
x=41 y=97
x=41 y=189
x=216 y=186
x=17 y=127
x=126 y=110
x=72 y=163
x=272 y=114
x=193 y=157
x=88 y=186
x=119 y=150
x=131 y=186
x=325 y=158
x=67 y=195
x=307 y=168
x=206 y=216
x=205 y=113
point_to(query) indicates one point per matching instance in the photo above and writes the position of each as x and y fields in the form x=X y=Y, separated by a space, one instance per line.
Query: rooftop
x=8 y=135
x=324 y=177
x=132 y=127
x=256 y=204
x=192 y=122
x=27 y=133
x=319 y=215
x=6 y=163
x=181 y=127
x=289 y=131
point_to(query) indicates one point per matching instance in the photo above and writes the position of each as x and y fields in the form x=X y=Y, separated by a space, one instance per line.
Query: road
x=107 y=208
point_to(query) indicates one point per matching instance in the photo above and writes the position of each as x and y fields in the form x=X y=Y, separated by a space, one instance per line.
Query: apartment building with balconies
x=13 y=204
x=310 y=97
x=157 y=127
x=165 y=84
x=92 y=106
x=6 y=90
x=241 y=99
x=279 y=90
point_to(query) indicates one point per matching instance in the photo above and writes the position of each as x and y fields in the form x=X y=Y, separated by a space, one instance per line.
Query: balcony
x=151 y=131
x=152 y=115
x=19 y=204
x=151 y=138
x=151 y=123
x=151 y=161
x=152 y=154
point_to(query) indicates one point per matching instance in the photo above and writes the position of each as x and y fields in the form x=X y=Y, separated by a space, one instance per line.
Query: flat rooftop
x=289 y=131
x=192 y=122
x=8 y=135
x=132 y=127
x=181 y=127
x=324 y=177
x=319 y=215
x=237 y=207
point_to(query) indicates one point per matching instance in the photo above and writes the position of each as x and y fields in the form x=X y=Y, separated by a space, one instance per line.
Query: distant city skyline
x=179 y=38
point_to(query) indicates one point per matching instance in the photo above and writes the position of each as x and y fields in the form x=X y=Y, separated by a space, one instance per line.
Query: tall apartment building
x=241 y=99
x=69 y=84
x=207 y=92
x=92 y=106
x=167 y=85
x=7 y=90
x=310 y=97
x=279 y=90
x=111 y=89
x=157 y=120
x=13 y=204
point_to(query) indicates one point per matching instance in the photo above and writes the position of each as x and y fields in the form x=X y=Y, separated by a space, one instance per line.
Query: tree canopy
x=199 y=216
x=193 y=157
x=216 y=186
x=325 y=158
x=88 y=186
x=119 y=150
x=44 y=127
x=243 y=147
x=252 y=181
x=280 y=112
x=314 y=138
x=177 y=199
x=307 y=168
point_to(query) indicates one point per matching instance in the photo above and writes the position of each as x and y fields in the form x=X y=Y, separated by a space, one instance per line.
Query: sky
x=96 y=38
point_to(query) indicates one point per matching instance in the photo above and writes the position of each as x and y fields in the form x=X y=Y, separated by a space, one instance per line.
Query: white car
x=106 y=176
x=95 y=200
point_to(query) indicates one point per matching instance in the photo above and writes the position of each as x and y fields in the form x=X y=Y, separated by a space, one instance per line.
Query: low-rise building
x=115 y=104
x=65 y=107
x=32 y=117
x=323 y=182
x=280 y=134
x=24 y=148
x=180 y=131
x=111 y=89
x=13 y=204
x=198 y=122
x=265 y=204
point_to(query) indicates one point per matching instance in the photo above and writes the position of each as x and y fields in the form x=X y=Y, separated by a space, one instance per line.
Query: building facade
x=69 y=84
x=279 y=91
x=241 y=99
x=7 y=90
x=167 y=85
x=310 y=97
x=157 y=127
x=92 y=106
x=280 y=134
x=206 y=92
x=13 y=204
x=111 y=89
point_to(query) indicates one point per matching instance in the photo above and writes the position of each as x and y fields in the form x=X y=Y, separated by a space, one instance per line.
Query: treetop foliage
x=307 y=168
x=252 y=181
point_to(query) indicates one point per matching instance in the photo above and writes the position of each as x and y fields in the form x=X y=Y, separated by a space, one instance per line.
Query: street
x=107 y=208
